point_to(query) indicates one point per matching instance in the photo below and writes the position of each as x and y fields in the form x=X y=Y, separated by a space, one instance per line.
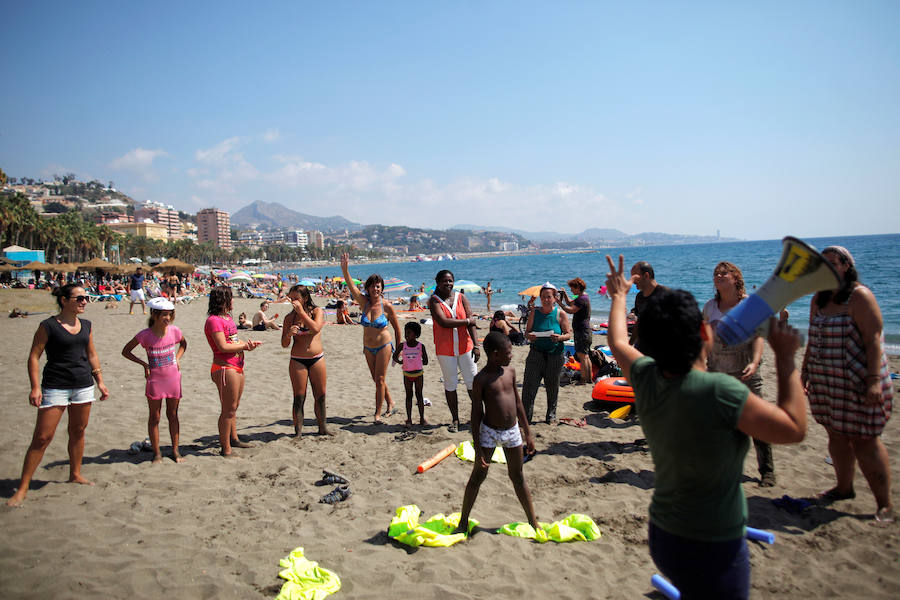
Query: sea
x=685 y=266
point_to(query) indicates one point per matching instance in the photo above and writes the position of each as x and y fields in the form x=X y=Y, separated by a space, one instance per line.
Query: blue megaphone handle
x=740 y=323
x=668 y=590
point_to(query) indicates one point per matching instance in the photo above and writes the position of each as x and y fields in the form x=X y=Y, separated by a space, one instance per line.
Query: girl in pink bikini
x=165 y=345
x=228 y=364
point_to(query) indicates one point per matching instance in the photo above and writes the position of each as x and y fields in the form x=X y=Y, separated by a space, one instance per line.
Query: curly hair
x=372 y=280
x=219 y=300
x=415 y=327
x=670 y=330
x=577 y=282
x=735 y=271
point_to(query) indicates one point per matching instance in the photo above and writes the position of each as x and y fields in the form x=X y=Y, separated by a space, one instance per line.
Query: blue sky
x=759 y=119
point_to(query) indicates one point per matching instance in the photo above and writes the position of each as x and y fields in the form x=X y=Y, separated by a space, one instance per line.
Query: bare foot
x=80 y=479
x=227 y=454
x=424 y=423
x=177 y=457
x=239 y=443
x=325 y=431
x=157 y=458
x=408 y=424
x=17 y=499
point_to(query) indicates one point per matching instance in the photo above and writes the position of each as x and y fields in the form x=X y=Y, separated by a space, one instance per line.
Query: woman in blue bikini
x=304 y=325
x=375 y=315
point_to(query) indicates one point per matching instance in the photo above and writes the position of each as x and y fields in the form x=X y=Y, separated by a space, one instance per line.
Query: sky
x=754 y=119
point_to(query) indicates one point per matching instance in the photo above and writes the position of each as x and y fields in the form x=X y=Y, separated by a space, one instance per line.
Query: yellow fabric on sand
x=574 y=528
x=436 y=531
x=306 y=580
x=466 y=451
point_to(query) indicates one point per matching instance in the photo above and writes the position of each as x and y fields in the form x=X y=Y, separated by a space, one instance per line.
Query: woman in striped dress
x=846 y=376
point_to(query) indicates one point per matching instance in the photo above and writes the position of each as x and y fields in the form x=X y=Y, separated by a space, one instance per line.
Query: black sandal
x=338 y=494
x=331 y=478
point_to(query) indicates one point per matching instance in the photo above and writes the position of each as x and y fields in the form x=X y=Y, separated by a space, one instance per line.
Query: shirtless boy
x=497 y=413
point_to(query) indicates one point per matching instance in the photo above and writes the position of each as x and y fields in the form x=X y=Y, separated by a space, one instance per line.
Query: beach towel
x=574 y=528
x=306 y=580
x=436 y=531
x=466 y=451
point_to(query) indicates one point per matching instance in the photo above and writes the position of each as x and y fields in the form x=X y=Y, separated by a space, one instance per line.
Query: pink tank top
x=412 y=357
x=216 y=323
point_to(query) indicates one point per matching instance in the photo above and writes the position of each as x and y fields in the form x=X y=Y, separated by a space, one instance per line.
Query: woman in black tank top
x=68 y=383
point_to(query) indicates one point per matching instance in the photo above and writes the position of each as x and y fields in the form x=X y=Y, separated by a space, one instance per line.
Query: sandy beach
x=216 y=528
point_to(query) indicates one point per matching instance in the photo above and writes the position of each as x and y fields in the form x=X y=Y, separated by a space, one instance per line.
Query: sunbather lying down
x=16 y=313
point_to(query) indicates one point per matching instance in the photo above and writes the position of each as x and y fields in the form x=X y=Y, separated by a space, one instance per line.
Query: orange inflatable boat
x=613 y=389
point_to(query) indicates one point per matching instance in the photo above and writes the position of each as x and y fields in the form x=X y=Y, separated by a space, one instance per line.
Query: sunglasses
x=79 y=298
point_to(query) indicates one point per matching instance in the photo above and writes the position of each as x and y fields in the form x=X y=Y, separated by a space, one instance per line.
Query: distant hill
x=272 y=214
x=602 y=237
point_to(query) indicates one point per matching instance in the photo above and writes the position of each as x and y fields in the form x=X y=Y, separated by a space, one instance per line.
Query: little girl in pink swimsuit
x=165 y=346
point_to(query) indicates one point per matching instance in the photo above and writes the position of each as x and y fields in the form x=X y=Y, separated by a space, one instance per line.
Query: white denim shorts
x=54 y=397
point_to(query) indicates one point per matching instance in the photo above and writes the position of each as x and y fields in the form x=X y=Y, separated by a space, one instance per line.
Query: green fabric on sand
x=306 y=580
x=466 y=451
x=574 y=528
x=436 y=531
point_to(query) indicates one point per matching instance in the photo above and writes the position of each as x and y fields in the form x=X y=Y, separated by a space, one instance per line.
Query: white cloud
x=139 y=160
x=271 y=135
x=218 y=155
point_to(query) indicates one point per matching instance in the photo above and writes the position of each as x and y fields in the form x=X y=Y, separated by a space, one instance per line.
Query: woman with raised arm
x=67 y=384
x=846 y=375
x=698 y=427
x=304 y=325
x=375 y=315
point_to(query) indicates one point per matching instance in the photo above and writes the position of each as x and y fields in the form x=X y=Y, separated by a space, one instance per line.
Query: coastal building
x=316 y=239
x=214 y=225
x=147 y=229
x=107 y=217
x=296 y=239
x=162 y=214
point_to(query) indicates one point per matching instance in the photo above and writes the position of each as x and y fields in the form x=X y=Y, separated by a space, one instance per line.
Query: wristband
x=96 y=371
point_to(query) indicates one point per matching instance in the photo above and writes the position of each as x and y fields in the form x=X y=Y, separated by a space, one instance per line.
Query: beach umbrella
x=240 y=278
x=263 y=276
x=421 y=295
x=6 y=268
x=341 y=280
x=63 y=268
x=173 y=264
x=533 y=291
x=307 y=282
x=222 y=273
x=464 y=285
x=36 y=265
x=96 y=263
x=394 y=284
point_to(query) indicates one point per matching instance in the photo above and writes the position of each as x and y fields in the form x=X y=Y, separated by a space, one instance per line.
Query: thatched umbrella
x=6 y=268
x=36 y=265
x=96 y=263
x=63 y=268
x=173 y=264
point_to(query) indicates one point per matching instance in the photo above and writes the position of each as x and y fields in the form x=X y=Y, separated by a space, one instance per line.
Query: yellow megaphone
x=802 y=270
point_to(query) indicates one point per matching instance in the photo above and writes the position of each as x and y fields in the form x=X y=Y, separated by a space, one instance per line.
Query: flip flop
x=580 y=423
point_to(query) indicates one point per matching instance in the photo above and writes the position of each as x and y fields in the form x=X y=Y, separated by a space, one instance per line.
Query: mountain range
x=266 y=215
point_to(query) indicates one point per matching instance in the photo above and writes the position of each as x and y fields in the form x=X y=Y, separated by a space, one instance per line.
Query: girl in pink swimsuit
x=412 y=355
x=227 y=370
x=165 y=345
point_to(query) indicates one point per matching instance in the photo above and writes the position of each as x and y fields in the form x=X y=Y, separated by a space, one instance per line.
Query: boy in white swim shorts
x=497 y=413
